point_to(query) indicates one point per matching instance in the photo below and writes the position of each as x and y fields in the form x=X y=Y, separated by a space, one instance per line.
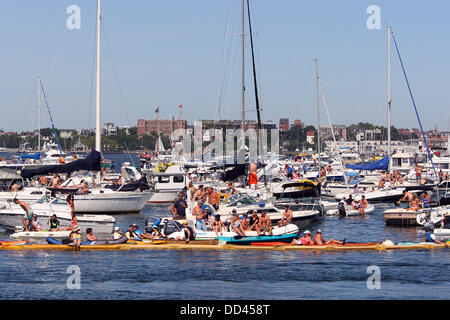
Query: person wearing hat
x=116 y=234
x=76 y=237
x=305 y=240
x=318 y=239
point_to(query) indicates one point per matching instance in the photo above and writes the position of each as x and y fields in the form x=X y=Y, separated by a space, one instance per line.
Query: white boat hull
x=350 y=211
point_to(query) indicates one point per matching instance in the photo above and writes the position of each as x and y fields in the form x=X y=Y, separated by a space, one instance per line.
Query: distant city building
x=284 y=124
x=340 y=132
x=374 y=134
x=109 y=129
x=166 y=127
x=298 y=123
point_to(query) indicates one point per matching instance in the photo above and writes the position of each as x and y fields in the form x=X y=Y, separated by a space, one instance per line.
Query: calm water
x=146 y=274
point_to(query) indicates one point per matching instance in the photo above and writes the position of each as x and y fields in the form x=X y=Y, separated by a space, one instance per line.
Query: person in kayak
x=431 y=237
x=139 y=233
x=76 y=237
x=28 y=217
x=286 y=218
x=319 y=240
x=90 y=235
x=53 y=223
x=130 y=234
x=305 y=240
x=266 y=223
x=116 y=234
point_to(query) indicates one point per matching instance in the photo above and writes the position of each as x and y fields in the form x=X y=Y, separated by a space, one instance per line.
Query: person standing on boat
x=199 y=215
x=178 y=209
x=253 y=178
x=28 y=217
x=213 y=198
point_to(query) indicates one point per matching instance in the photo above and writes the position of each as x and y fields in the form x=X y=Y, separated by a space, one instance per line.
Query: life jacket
x=428 y=236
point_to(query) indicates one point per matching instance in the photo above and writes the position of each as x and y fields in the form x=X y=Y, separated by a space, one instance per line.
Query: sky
x=176 y=52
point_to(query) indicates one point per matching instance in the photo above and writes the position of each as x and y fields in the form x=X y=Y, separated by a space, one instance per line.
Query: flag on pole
x=157 y=110
x=180 y=106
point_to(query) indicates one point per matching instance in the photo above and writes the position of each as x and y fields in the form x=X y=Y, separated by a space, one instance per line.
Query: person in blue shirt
x=139 y=233
x=431 y=237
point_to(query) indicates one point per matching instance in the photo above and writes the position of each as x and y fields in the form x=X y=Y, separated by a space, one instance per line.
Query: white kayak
x=40 y=235
x=350 y=211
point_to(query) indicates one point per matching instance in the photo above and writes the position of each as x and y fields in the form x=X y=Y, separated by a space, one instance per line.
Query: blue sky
x=169 y=53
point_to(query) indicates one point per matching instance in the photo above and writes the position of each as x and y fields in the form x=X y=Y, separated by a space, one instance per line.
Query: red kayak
x=347 y=244
x=13 y=242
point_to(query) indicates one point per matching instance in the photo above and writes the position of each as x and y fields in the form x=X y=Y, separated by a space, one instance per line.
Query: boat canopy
x=377 y=165
x=90 y=163
x=35 y=156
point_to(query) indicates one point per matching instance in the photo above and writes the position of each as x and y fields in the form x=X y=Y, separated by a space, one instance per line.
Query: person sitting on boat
x=329 y=168
x=381 y=183
x=254 y=222
x=199 y=215
x=399 y=179
x=305 y=240
x=266 y=223
x=318 y=239
x=76 y=237
x=245 y=222
x=423 y=181
x=363 y=205
x=431 y=237
x=414 y=203
x=43 y=180
x=218 y=225
x=90 y=235
x=36 y=226
x=286 y=218
x=53 y=223
x=236 y=224
x=84 y=188
x=28 y=217
x=295 y=175
x=116 y=234
x=349 y=201
x=426 y=200
x=73 y=222
x=189 y=234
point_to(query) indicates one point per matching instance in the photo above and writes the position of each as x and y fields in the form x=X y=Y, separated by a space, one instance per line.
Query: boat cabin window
x=163 y=179
x=244 y=200
x=178 y=179
x=37 y=192
x=44 y=199
x=59 y=201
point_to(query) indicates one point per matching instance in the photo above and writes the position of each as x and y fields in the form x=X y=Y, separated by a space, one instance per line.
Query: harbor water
x=240 y=274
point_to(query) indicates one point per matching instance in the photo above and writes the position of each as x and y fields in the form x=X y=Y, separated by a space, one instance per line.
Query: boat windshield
x=44 y=199
x=243 y=199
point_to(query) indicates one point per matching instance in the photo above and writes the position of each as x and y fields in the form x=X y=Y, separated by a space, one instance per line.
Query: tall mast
x=389 y=93
x=243 y=74
x=318 y=110
x=97 y=100
x=157 y=140
x=39 y=114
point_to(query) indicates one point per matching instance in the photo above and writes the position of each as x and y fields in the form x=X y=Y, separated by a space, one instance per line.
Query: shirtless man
x=286 y=218
x=213 y=198
x=197 y=212
x=15 y=187
x=200 y=194
x=55 y=181
x=28 y=217
x=266 y=223
x=363 y=204
x=253 y=178
x=43 y=180
x=318 y=239
x=407 y=196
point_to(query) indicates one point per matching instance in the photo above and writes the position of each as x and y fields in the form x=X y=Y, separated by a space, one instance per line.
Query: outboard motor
x=341 y=209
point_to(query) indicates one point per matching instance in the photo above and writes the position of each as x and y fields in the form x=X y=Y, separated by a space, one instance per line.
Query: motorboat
x=349 y=211
x=11 y=215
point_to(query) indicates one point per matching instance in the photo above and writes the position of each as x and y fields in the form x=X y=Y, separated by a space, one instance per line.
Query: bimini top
x=90 y=163
x=377 y=165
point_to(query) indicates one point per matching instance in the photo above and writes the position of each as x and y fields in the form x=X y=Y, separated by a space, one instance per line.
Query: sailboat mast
x=243 y=74
x=157 y=140
x=39 y=114
x=97 y=98
x=389 y=94
x=318 y=110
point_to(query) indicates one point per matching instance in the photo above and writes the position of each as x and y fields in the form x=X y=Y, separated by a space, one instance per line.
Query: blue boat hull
x=286 y=238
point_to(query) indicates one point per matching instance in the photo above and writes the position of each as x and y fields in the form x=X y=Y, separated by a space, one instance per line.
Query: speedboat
x=349 y=211
x=11 y=215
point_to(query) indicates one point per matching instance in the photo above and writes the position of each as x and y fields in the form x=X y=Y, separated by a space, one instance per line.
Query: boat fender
x=223 y=197
x=388 y=243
